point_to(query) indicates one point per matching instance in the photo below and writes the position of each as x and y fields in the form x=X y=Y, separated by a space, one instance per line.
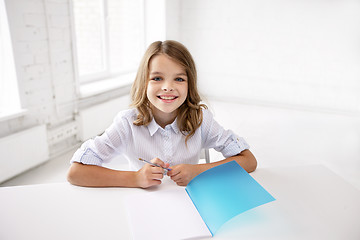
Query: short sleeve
x=224 y=141
x=103 y=148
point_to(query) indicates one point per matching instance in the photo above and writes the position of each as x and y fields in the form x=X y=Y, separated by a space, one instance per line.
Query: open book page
x=225 y=191
x=168 y=214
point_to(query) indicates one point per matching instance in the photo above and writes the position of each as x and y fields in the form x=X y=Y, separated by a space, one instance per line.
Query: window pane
x=88 y=19
x=2 y=77
x=125 y=34
x=9 y=95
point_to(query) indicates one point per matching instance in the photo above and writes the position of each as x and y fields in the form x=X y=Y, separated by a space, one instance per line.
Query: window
x=9 y=96
x=109 y=37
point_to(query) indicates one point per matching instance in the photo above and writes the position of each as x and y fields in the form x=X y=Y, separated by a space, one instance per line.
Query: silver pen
x=156 y=165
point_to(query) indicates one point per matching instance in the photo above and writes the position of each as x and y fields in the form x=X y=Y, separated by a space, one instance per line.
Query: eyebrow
x=160 y=73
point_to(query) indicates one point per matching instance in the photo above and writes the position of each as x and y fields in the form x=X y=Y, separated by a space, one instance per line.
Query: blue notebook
x=223 y=192
x=211 y=199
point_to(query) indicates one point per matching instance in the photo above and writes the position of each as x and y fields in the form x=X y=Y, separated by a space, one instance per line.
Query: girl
x=167 y=125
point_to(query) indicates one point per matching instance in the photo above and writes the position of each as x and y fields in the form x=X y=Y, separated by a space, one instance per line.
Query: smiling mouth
x=167 y=97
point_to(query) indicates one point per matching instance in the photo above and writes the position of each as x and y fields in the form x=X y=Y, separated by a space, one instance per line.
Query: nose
x=167 y=86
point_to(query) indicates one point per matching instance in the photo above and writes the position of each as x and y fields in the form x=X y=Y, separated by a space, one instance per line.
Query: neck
x=164 y=119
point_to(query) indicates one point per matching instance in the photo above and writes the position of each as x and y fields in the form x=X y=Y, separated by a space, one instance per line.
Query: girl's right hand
x=149 y=175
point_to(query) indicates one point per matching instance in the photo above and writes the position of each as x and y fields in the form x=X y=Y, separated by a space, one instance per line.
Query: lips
x=167 y=97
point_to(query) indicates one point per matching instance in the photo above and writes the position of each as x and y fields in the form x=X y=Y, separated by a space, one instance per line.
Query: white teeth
x=167 y=98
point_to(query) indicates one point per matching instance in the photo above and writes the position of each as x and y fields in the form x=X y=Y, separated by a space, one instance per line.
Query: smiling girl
x=167 y=125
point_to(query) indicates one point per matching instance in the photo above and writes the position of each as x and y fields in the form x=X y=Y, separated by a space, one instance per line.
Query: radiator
x=23 y=150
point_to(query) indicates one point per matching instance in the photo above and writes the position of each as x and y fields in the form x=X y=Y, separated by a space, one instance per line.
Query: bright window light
x=109 y=37
x=9 y=95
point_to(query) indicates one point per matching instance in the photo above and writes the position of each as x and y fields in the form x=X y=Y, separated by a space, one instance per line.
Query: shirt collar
x=153 y=127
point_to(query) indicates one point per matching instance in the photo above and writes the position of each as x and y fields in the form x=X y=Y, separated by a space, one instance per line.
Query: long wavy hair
x=189 y=116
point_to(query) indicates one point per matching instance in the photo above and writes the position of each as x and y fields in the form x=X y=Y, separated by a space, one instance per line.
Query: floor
x=277 y=136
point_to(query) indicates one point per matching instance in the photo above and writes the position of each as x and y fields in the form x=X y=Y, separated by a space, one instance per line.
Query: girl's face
x=167 y=88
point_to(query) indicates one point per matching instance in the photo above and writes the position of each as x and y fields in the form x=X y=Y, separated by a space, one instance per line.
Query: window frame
x=107 y=73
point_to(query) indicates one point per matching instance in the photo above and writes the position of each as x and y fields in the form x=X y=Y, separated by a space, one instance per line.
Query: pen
x=155 y=165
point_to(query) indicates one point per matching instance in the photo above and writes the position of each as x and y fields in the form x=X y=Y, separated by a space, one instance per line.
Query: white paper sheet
x=173 y=212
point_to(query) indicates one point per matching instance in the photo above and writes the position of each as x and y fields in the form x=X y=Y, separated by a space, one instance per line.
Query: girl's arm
x=96 y=176
x=182 y=174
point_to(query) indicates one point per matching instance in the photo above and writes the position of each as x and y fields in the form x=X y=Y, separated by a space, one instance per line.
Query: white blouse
x=151 y=141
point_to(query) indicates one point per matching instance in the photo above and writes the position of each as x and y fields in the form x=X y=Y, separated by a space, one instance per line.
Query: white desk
x=312 y=203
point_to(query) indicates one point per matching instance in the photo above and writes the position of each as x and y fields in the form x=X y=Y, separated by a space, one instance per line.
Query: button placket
x=167 y=144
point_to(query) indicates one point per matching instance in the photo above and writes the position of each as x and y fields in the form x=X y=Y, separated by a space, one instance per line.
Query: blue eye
x=179 y=80
x=156 y=78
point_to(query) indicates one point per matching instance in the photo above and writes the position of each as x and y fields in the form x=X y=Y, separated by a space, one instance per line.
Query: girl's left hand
x=182 y=174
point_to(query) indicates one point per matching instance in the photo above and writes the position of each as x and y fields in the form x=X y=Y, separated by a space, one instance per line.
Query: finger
x=148 y=182
x=176 y=178
x=157 y=176
x=155 y=170
x=181 y=183
x=150 y=169
x=151 y=172
x=158 y=161
x=154 y=182
x=174 y=171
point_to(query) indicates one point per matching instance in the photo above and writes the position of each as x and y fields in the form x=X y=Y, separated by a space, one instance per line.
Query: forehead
x=165 y=64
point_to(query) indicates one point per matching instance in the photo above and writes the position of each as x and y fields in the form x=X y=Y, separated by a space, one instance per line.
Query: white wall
x=43 y=53
x=296 y=53
x=302 y=55
x=288 y=53
x=41 y=39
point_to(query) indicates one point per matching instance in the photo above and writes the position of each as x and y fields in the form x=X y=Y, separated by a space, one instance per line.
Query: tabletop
x=312 y=202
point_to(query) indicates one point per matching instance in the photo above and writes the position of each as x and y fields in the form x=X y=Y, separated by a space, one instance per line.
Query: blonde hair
x=189 y=116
